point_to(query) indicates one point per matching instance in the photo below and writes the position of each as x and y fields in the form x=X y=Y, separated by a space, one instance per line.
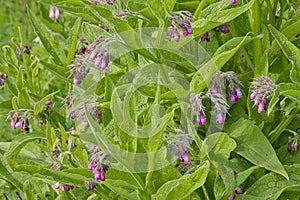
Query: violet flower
x=98 y=163
x=180 y=21
x=205 y=37
x=233 y=2
x=225 y=29
x=263 y=89
x=90 y=186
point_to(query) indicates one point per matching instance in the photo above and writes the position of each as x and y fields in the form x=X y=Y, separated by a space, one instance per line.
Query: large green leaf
x=7 y=174
x=20 y=141
x=272 y=185
x=184 y=186
x=290 y=51
x=218 y=17
x=255 y=147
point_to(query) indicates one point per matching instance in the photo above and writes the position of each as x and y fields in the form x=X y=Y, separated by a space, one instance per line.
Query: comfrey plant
x=180 y=21
x=263 y=90
x=217 y=95
x=98 y=163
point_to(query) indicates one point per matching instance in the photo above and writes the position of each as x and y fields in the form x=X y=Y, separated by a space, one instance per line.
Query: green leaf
x=73 y=39
x=219 y=17
x=60 y=72
x=40 y=105
x=7 y=173
x=47 y=40
x=218 y=147
x=255 y=147
x=20 y=141
x=290 y=51
x=184 y=186
x=289 y=90
x=272 y=185
x=205 y=73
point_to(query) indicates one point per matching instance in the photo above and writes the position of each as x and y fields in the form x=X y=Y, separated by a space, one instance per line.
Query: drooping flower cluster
x=180 y=21
x=179 y=145
x=54 y=13
x=99 y=52
x=96 y=53
x=263 y=89
x=197 y=105
x=2 y=79
x=90 y=186
x=216 y=94
x=98 y=163
x=18 y=121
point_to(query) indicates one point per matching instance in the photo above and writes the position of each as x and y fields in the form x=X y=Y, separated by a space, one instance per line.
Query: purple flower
x=73 y=115
x=57 y=185
x=180 y=21
x=90 y=186
x=239 y=93
x=205 y=37
x=289 y=147
x=98 y=163
x=198 y=108
x=225 y=29
x=51 y=13
x=41 y=122
x=48 y=103
x=233 y=1
x=263 y=89
x=231 y=197
x=57 y=14
x=238 y=190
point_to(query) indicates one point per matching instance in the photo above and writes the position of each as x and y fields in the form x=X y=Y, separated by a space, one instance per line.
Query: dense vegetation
x=133 y=99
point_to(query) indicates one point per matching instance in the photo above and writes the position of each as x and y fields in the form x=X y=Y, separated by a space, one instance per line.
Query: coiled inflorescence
x=217 y=95
x=179 y=145
x=98 y=163
x=180 y=21
x=263 y=90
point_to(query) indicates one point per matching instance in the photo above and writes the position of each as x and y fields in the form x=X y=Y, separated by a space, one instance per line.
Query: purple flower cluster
x=64 y=187
x=180 y=21
x=179 y=145
x=54 y=13
x=98 y=163
x=90 y=186
x=263 y=89
x=99 y=52
x=216 y=94
x=79 y=71
x=198 y=108
x=19 y=121
x=225 y=29
x=2 y=79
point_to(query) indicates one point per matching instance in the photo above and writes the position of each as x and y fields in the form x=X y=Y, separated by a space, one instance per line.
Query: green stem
x=199 y=8
x=274 y=135
x=259 y=68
